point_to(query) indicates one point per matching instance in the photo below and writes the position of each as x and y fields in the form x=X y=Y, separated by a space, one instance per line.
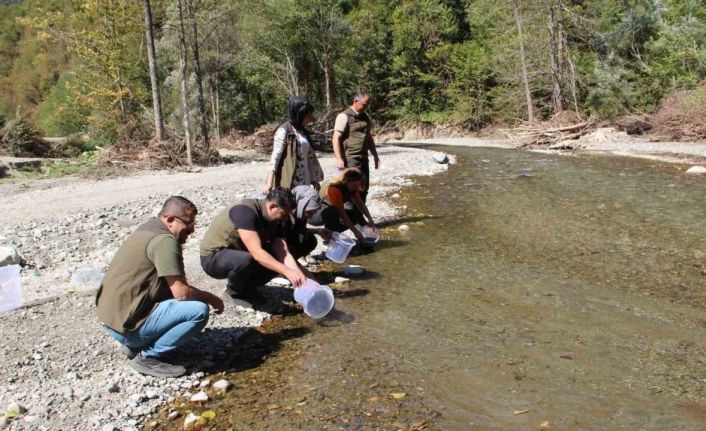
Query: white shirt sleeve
x=277 y=148
x=341 y=123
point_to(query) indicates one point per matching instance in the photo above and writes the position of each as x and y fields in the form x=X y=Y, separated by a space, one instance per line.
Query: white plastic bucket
x=10 y=288
x=317 y=300
x=371 y=236
x=338 y=247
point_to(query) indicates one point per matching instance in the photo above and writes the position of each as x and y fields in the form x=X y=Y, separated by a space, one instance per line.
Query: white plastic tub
x=317 y=300
x=338 y=247
x=10 y=288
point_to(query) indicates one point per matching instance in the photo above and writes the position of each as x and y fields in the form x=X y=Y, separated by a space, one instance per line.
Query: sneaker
x=154 y=367
x=236 y=298
x=125 y=350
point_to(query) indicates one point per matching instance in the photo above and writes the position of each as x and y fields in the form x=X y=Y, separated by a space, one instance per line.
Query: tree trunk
x=554 y=47
x=329 y=78
x=525 y=78
x=567 y=56
x=156 y=99
x=184 y=98
x=197 y=71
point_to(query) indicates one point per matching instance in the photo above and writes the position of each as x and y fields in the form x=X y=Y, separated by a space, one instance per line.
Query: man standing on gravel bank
x=145 y=302
x=353 y=139
x=246 y=244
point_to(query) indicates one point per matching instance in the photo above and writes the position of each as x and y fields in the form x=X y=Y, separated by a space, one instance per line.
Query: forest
x=128 y=72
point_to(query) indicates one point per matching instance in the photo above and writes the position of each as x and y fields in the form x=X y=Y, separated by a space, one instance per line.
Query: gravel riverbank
x=59 y=369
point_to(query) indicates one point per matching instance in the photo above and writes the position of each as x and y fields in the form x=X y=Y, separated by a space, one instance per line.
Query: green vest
x=223 y=234
x=131 y=288
x=356 y=140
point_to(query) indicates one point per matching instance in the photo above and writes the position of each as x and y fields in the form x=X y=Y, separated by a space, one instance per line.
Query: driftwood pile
x=553 y=133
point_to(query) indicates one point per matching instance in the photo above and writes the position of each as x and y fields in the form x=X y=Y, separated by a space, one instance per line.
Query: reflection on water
x=532 y=292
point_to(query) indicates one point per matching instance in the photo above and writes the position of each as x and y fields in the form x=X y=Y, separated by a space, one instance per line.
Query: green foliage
x=58 y=114
x=79 y=66
x=20 y=138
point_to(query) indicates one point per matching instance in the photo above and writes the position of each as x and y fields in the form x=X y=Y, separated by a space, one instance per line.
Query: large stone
x=9 y=256
x=441 y=158
x=696 y=170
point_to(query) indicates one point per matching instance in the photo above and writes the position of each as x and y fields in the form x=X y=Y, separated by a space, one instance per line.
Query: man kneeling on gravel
x=145 y=302
x=246 y=244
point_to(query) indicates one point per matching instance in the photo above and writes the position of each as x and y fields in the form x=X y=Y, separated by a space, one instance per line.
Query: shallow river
x=531 y=292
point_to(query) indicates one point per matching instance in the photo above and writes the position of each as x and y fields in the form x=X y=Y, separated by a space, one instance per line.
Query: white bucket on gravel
x=10 y=288
x=317 y=300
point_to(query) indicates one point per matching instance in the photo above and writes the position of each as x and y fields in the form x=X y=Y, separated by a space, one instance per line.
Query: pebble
x=190 y=420
x=341 y=280
x=403 y=228
x=353 y=270
x=173 y=415
x=199 y=397
x=15 y=408
x=109 y=427
x=280 y=281
x=395 y=196
x=113 y=387
x=222 y=385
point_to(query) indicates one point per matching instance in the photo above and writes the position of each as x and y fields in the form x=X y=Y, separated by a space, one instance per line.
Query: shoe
x=244 y=300
x=125 y=350
x=154 y=367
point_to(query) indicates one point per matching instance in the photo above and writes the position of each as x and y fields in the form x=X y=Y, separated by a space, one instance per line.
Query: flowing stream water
x=531 y=292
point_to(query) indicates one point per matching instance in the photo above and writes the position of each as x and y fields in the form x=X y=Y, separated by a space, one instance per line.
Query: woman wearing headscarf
x=294 y=161
x=301 y=240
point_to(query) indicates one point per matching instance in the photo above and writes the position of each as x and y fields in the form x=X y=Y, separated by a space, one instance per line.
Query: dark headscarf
x=297 y=109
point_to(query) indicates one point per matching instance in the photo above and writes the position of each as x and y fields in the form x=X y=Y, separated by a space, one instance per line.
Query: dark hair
x=361 y=94
x=178 y=206
x=281 y=197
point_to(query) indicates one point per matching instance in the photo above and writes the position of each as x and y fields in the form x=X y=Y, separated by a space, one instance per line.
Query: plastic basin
x=317 y=300
x=10 y=288
x=338 y=247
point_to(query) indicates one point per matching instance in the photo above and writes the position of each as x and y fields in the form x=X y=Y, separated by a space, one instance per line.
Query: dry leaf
x=398 y=395
x=520 y=412
x=208 y=414
x=544 y=425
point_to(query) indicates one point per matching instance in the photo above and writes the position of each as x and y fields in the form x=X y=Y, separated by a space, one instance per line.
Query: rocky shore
x=59 y=369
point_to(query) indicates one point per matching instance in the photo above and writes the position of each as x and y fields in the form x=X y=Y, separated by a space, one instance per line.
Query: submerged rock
x=353 y=270
x=222 y=385
x=403 y=228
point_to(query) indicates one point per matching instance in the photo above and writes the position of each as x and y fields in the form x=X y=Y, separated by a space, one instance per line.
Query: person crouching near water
x=294 y=161
x=246 y=244
x=145 y=302
x=300 y=239
x=342 y=206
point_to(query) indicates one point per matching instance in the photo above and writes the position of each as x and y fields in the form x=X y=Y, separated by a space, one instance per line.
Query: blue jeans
x=169 y=325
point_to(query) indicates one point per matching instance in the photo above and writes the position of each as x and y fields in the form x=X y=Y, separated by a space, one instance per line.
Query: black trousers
x=300 y=243
x=238 y=266
x=363 y=164
x=329 y=218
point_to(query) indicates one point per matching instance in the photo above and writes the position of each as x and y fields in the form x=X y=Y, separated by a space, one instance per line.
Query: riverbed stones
x=696 y=170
